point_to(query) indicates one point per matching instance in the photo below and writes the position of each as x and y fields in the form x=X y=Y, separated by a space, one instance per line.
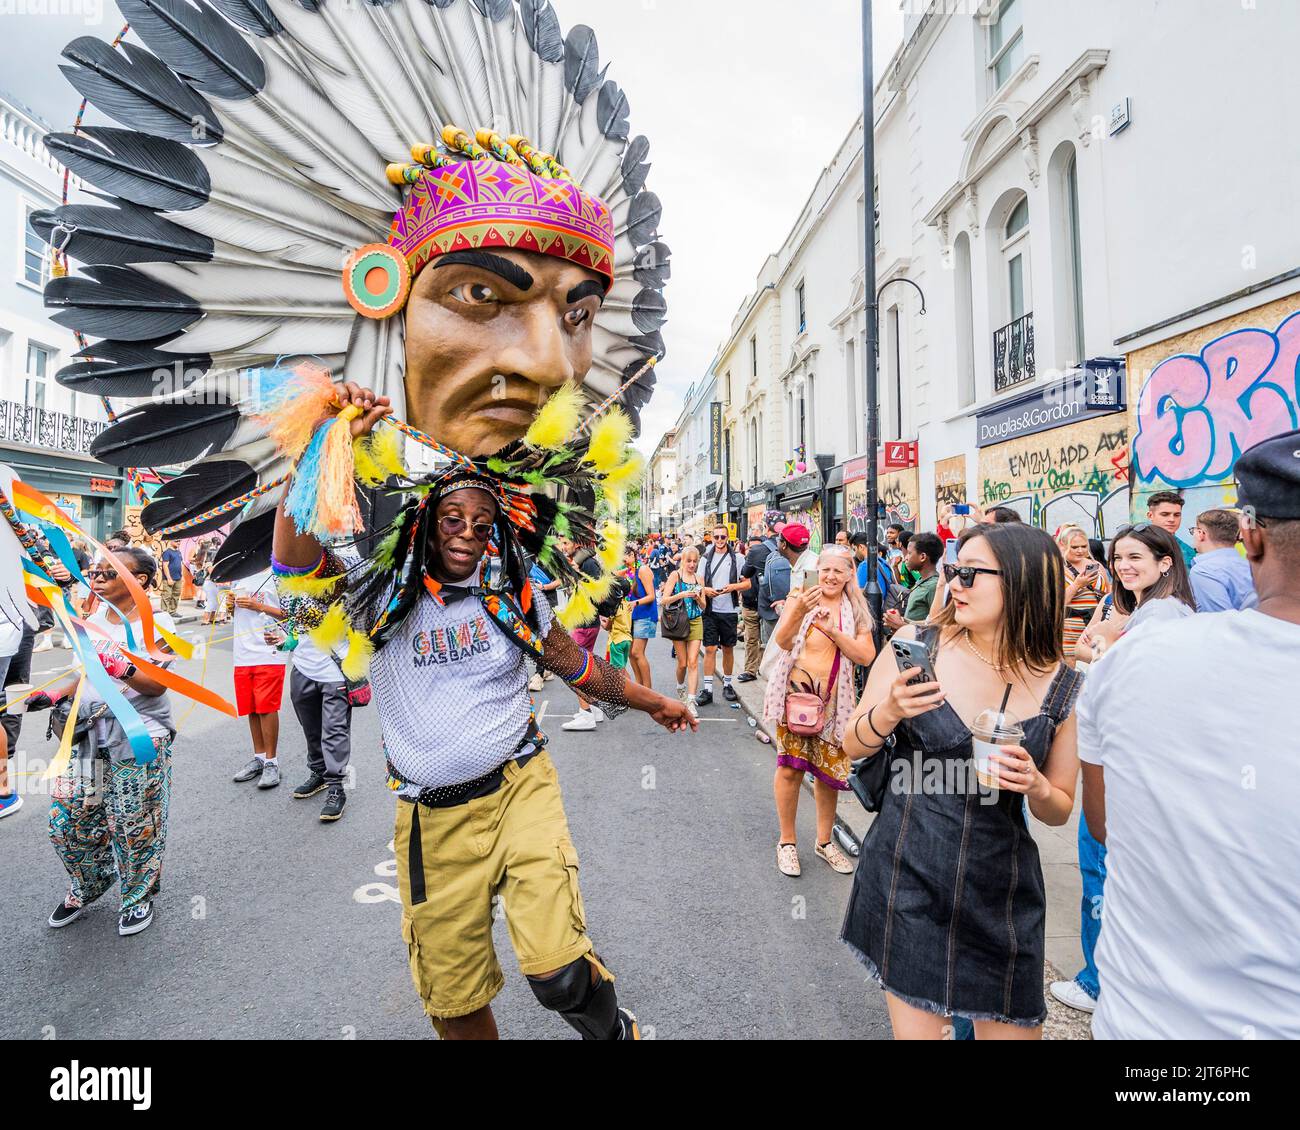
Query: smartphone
x=809 y=578
x=962 y=508
x=950 y=551
x=912 y=653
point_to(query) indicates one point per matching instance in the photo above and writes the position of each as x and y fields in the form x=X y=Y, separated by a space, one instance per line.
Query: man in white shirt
x=259 y=674
x=319 y=694
x=720 y=569
x=1195 y=793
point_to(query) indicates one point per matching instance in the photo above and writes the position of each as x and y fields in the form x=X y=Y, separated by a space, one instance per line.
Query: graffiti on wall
x=949 y=482
x=900 y=493
x=1197 y=413
x=812 y=518
x=1076 y=475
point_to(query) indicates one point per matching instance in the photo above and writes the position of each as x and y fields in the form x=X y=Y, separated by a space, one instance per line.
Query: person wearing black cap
x=1187 y=735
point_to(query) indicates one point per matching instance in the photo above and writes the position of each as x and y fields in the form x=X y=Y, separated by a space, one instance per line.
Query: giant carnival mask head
x=270 y=143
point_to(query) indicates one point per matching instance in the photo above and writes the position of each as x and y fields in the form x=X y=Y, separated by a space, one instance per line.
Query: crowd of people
x=997 y=641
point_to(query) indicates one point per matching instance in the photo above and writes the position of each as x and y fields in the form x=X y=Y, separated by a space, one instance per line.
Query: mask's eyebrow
x=507 y=269
x=586 y=288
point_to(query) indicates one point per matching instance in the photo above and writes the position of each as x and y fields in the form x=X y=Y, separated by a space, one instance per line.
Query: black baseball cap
x=1268 y=478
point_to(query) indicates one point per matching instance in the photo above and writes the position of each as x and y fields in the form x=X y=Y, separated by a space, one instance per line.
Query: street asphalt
x=271 y=925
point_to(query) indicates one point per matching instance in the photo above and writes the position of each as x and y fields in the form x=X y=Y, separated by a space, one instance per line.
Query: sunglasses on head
x=452 y=527
x=966 y=573
x=1135 y=528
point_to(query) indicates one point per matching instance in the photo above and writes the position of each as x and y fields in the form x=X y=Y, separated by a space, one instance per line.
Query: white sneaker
x=598 y=714
x=1072 y=995
x=582 y=720
x=690 y=705
x=535 y=683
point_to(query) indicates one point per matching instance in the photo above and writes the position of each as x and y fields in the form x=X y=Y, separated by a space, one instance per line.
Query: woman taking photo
x=948 y=904
x=683 y=585
x=645 y=613
x=823 y=631
x=1086 y=584
x=1151 y=584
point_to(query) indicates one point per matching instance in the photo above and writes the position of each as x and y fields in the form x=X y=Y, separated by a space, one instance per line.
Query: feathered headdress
x=253 y=168
x=546 y=486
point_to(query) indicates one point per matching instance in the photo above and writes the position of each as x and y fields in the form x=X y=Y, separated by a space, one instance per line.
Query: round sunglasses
x=453 y=527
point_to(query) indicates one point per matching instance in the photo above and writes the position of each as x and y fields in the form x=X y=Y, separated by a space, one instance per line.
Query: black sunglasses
x=454 y=526
x=1136 y=528
x=101 y=574
x=966 y=573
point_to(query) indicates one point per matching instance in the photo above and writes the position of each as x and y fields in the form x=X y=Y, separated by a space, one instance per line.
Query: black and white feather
x=247 y=161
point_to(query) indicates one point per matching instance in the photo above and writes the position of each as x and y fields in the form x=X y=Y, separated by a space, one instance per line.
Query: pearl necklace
x=970 y=643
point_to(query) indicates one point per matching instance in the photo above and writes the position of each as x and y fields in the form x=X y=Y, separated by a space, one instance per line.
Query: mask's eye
x=474 y=294
x=577 y=318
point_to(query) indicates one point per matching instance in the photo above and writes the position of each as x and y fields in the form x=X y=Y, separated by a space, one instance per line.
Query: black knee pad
x=592 y=1009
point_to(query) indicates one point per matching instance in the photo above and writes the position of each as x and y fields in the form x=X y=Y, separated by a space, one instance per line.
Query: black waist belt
x=449 y=796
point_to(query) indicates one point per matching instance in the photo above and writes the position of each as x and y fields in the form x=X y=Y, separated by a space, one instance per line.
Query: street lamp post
x=872 y=299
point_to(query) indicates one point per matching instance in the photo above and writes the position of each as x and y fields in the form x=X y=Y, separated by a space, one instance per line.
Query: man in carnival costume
x=497 y=282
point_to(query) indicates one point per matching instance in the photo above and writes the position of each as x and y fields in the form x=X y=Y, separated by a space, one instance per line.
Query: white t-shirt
x=11 y=636
x=251 y=648
x=1194 y=723
x=317 y=665
x=154 y=710
x=719 y=576
x=452 y=692
x=1160 y=611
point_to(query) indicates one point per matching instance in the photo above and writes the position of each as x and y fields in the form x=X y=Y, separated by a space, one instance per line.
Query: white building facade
x=659 y=487
x=45 y=430
x=1106 y=230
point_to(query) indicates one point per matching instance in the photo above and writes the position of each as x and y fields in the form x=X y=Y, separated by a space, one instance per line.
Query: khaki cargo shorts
x=452 y=861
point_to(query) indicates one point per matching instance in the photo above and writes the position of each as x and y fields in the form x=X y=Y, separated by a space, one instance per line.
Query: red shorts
x=258 y=689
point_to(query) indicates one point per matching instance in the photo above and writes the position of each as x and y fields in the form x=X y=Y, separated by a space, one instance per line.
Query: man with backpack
x=761 y=546
x=720 y=570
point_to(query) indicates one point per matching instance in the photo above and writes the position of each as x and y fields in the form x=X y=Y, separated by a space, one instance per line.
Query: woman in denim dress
x=948 y=904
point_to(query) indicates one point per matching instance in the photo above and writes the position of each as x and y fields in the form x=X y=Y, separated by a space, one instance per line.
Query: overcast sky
x=744 y=103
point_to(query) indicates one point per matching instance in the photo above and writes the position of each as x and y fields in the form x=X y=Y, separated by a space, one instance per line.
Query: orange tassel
x=338 y=512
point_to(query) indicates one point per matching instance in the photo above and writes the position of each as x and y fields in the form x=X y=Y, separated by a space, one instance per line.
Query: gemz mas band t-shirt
x=452 y=692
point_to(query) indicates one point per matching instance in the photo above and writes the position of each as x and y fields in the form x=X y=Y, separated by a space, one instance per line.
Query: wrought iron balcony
x=1013 y=354
x=52 y=431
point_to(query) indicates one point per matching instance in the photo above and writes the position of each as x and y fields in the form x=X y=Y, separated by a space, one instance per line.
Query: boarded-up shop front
x=1065 y=463
x=899 y=493
x=1213 y=393
x=950 y=483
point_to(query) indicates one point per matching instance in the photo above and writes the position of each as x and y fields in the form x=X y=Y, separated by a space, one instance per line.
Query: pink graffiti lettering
x=1197 y=414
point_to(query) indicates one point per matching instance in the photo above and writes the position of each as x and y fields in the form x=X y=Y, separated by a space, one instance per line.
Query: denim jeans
x=1092 y=868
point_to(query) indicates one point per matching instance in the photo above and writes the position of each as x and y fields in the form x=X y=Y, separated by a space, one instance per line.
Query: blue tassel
x=302 y=501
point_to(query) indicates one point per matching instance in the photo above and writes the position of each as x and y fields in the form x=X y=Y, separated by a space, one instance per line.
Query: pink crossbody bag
x=805 y=713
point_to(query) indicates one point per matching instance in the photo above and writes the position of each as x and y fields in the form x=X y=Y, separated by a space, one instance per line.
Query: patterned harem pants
x=115 y=831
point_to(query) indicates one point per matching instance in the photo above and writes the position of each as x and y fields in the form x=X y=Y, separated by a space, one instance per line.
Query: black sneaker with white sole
x=704 y=698
x=139 y=917
x=310 y=787
x=629 y=1029
x=63 y=914
x=334 y=803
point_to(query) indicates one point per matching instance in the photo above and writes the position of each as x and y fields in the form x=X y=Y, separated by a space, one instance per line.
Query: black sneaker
x=63 y=914
x=310 y=787
x=704 y=698
x=745 y=677
x=139 y=917
x=627 y=1022
x=334 y=803
x=729 y=693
